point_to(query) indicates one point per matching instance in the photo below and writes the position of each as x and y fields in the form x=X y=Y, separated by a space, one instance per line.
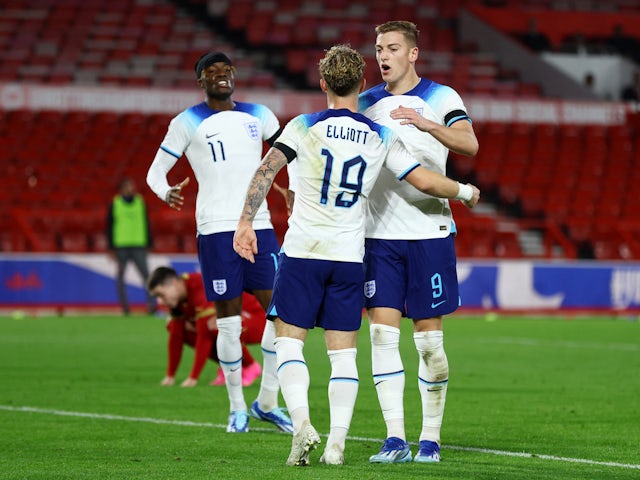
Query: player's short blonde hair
x=342 y=68
x=408 y=29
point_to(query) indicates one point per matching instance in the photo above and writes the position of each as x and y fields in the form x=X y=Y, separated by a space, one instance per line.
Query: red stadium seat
x=166 y=243
x=74 y=242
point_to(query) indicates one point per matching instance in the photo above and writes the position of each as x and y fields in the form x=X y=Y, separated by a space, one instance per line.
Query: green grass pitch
x=529 y=398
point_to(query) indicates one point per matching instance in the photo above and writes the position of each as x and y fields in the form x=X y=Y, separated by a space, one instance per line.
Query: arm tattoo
x=261 y=182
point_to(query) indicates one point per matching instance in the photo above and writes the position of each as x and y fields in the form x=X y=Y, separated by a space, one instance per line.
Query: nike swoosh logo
x=212 y=135
x=434 y=305
x=234 y=369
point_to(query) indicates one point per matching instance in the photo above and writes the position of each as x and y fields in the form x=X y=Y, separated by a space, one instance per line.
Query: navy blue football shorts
x=417 y=277
x=312 y=293
x=225 y=274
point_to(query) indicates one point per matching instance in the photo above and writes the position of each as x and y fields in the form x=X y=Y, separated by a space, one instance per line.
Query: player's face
x=217 y=80
x=395 y=57
x=168 y=294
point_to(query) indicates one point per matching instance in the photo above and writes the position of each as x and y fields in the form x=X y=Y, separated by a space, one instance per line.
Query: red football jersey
x=193 y=323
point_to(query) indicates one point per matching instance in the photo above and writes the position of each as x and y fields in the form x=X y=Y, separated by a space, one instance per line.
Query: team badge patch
x=252 y=130
x=220 y=286
x=420 y=111
x=370 y=288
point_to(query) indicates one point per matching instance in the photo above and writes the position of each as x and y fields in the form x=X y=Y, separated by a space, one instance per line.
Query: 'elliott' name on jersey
x=347 y=133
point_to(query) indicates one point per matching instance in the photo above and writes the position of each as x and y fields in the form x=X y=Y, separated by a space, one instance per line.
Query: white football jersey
x=397 y=210
x=224 y=149
x=337 y=156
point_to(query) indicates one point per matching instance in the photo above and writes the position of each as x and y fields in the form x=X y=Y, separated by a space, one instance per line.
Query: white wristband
x=465 y=192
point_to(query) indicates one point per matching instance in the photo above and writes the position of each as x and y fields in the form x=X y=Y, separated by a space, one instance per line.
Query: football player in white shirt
x=410 y=254
x=338 y=155
x=223 y=141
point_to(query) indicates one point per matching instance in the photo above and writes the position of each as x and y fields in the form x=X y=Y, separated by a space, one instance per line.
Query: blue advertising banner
x=89 y=280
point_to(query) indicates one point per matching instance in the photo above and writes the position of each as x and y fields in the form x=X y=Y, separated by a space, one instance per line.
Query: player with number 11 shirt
x=223 y=141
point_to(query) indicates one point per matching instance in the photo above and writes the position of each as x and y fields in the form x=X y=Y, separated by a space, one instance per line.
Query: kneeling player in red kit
x=192 y=322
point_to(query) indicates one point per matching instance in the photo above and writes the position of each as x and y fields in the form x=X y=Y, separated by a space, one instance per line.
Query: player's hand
x=288 y=196
x=245 y=242
x=189 y=382
x=476 y=197
x=174 y=196
x=410 y=116
x=168 y=381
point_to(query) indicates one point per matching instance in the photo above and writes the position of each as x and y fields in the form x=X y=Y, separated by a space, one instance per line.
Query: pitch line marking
x=187 y=423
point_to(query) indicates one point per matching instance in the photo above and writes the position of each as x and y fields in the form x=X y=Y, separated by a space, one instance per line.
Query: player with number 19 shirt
x=338 y=154
x=342 y=154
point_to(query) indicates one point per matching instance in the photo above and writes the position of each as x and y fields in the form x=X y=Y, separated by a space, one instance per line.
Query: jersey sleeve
x=178 y=136
x=292 y=134
x=171 y=149
x=399 y=160
x=270 y=124
x=452 y=108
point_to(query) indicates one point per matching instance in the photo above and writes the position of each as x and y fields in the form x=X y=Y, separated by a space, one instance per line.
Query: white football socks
x=343 y=390
x=293 y=376
x=268 y=394
x=433 y=377
x=388 y=376
x=230 y=355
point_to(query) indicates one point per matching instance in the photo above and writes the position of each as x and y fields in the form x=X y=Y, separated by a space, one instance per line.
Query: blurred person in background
x=631 y=93
x=192 y=322
x=129 y=238
x=535 y=39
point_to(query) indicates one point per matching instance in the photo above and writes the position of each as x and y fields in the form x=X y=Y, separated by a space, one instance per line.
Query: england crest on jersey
x=420 y=111
x=370 y=288
x=252 y=130
x=220 y=286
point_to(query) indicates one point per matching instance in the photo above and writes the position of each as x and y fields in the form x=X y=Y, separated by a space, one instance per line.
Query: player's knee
x=230 y=326
x=268 y=337
x=384 y=335
x=430 y=346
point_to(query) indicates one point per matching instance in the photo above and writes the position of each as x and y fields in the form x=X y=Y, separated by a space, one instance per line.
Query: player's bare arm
x=458 y=138
x=438 y=185
x=174 y=197
x=245 y=242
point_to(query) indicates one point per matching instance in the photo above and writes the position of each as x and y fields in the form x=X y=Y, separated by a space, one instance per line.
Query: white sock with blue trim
x=388 y=376
x=269 y=386
x=230 y=356
x=433 y=378
x=343 y=390
x=293 y=376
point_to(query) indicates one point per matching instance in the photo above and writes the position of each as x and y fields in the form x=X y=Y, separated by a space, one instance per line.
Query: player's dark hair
x=408 y=29
x=342 y=69
x=124 y=181
x=208 y=59
x=159 y=276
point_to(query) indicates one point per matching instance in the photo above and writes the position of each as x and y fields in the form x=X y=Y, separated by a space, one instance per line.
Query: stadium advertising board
x=72 y=281
x=287 y=104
